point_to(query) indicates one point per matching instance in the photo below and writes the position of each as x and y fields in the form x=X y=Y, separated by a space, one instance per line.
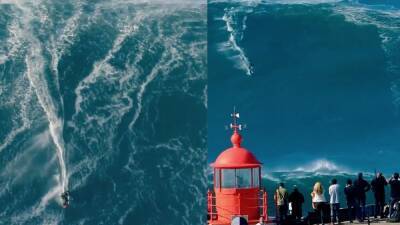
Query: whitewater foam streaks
x=243 y=62
x=65 y=39
x=39 y=208
x=126 y=32
x=26 y=122
x=167 y=65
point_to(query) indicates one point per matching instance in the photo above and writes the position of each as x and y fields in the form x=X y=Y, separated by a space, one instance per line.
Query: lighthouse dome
x=236 y=156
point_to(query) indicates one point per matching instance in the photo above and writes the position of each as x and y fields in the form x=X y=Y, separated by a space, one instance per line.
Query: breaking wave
x=321 y=165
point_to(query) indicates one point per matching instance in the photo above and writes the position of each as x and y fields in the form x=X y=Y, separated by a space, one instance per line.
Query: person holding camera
x=394 y=183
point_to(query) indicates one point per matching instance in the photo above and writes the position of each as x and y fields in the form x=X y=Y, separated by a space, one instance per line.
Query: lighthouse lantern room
x=237 y=190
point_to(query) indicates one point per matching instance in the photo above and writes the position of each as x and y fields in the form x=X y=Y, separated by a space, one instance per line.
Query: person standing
x=297 y=200
x=394 y=183
x=334 y=201
x=361 y=186
x=350 y=193
x=318 y=200
x=281 y=199
x=378 y=187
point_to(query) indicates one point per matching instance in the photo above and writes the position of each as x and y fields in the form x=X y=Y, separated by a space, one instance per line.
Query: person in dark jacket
x=297 y=200
x=361 y=186
x=394 y=183
x=378 y=187
x=350 y=193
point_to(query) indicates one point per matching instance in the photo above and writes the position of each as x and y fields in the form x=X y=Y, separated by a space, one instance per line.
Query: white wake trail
x=35 y=70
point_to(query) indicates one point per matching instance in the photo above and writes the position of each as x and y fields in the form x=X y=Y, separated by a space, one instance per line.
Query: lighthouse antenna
x=235 y=116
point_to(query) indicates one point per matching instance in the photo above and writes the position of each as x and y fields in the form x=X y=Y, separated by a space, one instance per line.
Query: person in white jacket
x=334 y=201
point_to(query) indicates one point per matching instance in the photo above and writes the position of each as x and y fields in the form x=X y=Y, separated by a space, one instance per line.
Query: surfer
x=251 y=69
x=65 y=199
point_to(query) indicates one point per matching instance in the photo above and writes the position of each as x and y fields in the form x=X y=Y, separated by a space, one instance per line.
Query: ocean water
x=316 y=83
x=99 y=98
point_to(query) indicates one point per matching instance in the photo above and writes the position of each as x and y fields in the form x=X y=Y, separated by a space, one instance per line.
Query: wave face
x=91 y=97
x=324 y=82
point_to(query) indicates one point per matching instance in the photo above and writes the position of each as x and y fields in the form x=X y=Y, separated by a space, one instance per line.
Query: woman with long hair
x=318 y=200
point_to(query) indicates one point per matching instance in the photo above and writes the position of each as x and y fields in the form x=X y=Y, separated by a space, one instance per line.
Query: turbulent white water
x=235 y=35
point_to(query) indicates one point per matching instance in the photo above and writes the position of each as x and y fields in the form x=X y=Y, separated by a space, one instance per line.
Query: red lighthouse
x=237 y=184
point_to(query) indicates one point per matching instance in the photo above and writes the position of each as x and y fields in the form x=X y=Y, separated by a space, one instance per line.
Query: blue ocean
x=316 y=82
x=105 y=99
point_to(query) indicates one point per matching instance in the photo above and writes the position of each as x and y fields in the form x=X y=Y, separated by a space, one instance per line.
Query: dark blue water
x=98 y=98
x=316 y=83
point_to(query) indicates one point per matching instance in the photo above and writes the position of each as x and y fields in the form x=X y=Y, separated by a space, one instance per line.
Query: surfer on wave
x=65 y=199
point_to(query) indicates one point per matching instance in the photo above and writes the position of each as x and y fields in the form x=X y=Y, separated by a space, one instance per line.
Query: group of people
x=282 y=198
x=355 y=193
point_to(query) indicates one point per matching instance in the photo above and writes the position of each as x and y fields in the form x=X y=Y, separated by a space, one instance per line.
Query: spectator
x=378 y=187
x=361 y=186
x=350 y=193
x=297 y=200
x=394 y=192
x=281 y=199
x=318 y=200
x=334 y=201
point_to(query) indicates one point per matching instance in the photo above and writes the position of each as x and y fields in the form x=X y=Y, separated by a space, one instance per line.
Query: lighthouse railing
x=264 y=204
x=213 y=208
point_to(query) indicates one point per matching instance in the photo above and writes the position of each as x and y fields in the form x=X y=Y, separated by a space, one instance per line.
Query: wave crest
x=321 y=165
